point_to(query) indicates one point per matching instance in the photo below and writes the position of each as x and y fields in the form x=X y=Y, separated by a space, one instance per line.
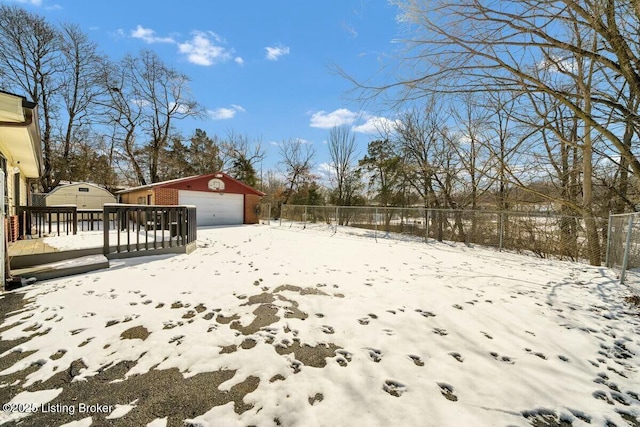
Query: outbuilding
x=82 y=194
x=219 y=199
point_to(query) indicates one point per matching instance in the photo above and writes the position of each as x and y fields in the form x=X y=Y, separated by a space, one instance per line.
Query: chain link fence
x=543 y=234
x=623 y=248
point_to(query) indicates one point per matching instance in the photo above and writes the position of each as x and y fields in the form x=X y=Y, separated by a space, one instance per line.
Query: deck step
x=36 y=259
x=63 y=268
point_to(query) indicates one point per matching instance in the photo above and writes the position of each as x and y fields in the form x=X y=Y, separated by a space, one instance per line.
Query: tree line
x=548 y=89
x=111 y=122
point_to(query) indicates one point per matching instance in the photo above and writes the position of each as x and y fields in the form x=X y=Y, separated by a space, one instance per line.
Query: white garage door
x=214 y=208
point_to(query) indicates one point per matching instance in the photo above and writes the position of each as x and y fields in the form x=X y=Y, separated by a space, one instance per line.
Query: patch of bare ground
x=309 y=355
x=265 y=316
x=633 y=300
x=159 y=394
x=300 y=290
x=137 y=332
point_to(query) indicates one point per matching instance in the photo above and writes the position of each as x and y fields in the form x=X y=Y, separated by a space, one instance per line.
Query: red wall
x=201 y=184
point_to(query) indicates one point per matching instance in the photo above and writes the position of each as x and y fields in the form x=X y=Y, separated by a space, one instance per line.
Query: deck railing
x=136 y=230
x=39 y=221
x=129 y=230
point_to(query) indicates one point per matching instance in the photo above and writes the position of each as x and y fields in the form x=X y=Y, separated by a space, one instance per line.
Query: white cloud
x=239 y=60
x=377 y=125
x=31 y=2
x=149 y=36
x=339 y=117
x=203 y=50
x=275 y=52
x=558 y=64
x=225 y=113
x=180 y=108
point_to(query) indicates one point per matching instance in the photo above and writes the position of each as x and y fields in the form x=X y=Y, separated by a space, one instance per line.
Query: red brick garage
x=218 y=198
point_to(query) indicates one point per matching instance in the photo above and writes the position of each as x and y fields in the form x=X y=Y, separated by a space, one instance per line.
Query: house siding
x=138 y=197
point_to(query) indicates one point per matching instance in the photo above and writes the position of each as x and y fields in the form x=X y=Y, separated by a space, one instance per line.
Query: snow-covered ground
x=344 y=330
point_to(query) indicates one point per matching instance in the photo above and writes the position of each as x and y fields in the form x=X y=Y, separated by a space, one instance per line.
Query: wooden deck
x=33 y=258
x=30 y=247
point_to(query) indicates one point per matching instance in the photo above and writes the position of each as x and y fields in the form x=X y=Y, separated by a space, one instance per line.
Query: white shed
x=81 y=194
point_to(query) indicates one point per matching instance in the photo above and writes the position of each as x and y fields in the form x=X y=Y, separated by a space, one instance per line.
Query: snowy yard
x=266 y=325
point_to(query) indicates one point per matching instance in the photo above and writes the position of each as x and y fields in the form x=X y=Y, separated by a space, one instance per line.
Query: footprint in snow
x=389 y=332
x=417 y=360
x=425 y=313
x=505 y=359
x=441 y=332
x=394 y=388
x=363 y=321
x=375 y=355
x=327 y=329
x=457 y=356
x=343 y=357
x=447 y=391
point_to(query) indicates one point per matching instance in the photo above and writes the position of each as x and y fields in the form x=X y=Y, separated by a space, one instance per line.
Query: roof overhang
x=20 y=134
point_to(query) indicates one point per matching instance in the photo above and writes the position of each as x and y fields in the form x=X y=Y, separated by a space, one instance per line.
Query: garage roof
x=237 y=187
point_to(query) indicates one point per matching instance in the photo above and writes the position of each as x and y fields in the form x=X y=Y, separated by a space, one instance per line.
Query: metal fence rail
x=623 y=248
x=543 y=234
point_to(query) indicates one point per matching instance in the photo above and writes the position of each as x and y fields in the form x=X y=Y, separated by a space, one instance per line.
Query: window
x=83 y=189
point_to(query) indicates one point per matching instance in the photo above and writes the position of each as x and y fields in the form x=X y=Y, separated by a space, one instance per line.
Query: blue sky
x=260 y=68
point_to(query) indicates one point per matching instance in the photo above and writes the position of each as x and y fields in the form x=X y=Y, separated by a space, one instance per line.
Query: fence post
x=375 y=222
x=281 y=211
x=625 y=262
x=269 y=214
x=304 y=219
x=337 y=218
x=501 y=219
x=609 y=226
x=105 y=231
x=428 y=219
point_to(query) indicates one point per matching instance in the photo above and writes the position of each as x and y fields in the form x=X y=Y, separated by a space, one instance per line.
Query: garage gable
x=216 y=182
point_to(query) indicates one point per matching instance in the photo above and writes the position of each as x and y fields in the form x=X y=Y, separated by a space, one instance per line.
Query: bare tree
x=344 y=174
x=240 y=156
x=79 y=88
x=30 y=63
x=587 y=50
x=124 y=118
x=57 y=67
x=144 y=97
x=296 y=162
